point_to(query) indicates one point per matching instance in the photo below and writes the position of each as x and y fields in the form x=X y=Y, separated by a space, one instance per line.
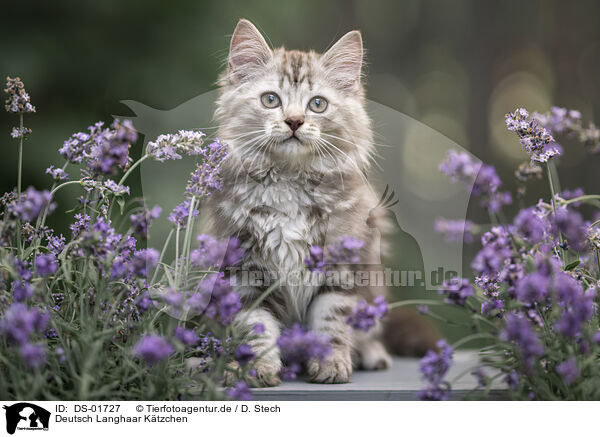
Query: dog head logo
x=25 y=416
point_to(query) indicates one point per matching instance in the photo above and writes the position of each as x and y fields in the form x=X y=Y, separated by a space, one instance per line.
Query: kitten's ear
x=248 y=50
x=343 y=61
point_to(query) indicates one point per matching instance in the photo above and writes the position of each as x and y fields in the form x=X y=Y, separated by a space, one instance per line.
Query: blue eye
x=318 y=104
x=270 y=100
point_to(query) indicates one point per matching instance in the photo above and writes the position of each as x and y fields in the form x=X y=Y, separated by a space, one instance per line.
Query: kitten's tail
x=406 y=333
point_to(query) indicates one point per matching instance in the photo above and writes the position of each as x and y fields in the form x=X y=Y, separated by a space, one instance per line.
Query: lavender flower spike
x=171 y=146
x=207 y=177
x=153 y=349
x=18 y=100
x=535 y=140
x=363 y=316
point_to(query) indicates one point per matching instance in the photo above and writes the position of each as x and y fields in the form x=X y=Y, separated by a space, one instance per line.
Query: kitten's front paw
x=333 y=370
x=265 y=374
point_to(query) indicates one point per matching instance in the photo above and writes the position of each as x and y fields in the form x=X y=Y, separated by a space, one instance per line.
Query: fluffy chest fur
x=278 y=217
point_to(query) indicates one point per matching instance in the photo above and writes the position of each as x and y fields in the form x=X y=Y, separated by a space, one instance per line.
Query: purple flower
x=596 y=337
x=23 y=269
x=258 y=328
x=298 y=346
x=171 y=146
x=572 y=194
x=433 y=367
x=512 y=380
x=186 y=336
x=489 y=261
x=455 y=230
x=224 y=302
x=530 y=226
x=207 y=177
x=143 y=261
x=143 y=302
x=481 y=179
x=34 y=355
x=559 y=120
x=22 y=290
x=18 y=100
x=316 y=260
x=20 y=322
x=577 y=306
x=456 y=290
x=240 y=392
x=571 y=224
x=459 y=166
x=495 y=252
x=104 y=151
x=179 y=215
x=492 y=307
x=568 y=371
x=31 y=204
x=153 y=349
x=518 y=330
x=440 y=392
x=536 y=141
x=58 y=174
x=110 y=152
x=363 y=316
x=345 y=250
x=56 y=244
x=244 y=354
x=82 y=222
x=532 y=289
x=46 y=264
x=140 y=223
x=216 y=253
x=20 y=132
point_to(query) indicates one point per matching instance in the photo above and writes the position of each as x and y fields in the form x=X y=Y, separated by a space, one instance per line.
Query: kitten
x=300 y=143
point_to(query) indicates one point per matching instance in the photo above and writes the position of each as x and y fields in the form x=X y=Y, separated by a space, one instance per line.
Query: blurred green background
x=456 y=66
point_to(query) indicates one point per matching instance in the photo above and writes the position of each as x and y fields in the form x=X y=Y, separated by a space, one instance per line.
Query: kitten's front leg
x=327 y=315
x=268 y=361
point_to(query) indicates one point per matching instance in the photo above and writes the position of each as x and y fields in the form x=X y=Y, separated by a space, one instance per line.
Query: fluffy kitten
x=300 y=143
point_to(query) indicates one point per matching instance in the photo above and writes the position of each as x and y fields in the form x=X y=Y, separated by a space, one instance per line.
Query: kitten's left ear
x=248 y=50
x=343 y=61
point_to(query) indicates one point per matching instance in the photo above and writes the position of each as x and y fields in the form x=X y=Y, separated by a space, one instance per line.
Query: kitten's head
x=295 y=109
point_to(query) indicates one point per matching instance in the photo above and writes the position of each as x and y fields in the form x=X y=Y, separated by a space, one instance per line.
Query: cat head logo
x=26 y=417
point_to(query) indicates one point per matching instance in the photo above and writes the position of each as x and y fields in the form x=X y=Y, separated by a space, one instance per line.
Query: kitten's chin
x=291 y=148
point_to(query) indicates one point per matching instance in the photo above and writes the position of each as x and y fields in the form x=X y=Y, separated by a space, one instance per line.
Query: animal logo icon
x=26 y=416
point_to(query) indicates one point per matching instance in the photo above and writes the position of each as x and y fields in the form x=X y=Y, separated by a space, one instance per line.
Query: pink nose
x=294 y=123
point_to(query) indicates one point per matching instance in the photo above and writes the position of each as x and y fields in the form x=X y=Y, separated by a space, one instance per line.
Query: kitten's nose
x=294 y=123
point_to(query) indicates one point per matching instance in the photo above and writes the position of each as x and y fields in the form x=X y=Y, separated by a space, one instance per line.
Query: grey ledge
x=399 y=383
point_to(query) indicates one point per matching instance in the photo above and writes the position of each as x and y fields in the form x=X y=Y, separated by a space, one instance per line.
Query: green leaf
x=572 y=265
x=121 y=203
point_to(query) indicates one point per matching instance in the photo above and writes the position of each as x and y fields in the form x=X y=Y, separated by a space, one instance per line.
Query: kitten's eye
x=317 y=104
x=270 y=100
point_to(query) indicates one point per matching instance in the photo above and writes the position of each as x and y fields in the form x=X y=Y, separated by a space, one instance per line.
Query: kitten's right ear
x=248 y=51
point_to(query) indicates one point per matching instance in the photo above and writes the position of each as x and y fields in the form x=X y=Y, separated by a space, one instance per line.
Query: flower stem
x=133 y=167
x=55 y=189
x=582 y=199
x=177 y=255
x=553 y=194
x=408 y=302
x=471 y=337
x=187 y=239
x=20 y=169
x=162 y=254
